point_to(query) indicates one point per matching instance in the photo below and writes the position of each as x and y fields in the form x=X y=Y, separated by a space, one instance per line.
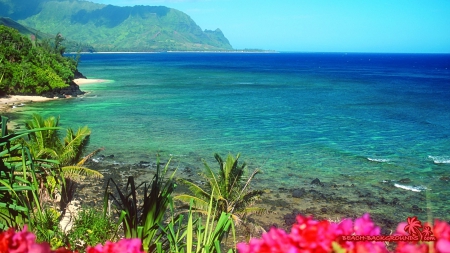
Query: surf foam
x=411 y=188
x=440 y=159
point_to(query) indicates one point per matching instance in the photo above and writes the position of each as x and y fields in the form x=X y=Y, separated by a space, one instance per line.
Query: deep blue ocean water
x=374 y=117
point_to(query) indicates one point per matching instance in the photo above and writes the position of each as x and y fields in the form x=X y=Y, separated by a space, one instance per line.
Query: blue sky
x=400 y=26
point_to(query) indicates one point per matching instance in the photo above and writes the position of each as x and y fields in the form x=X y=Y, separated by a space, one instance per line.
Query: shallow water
x=361 y=119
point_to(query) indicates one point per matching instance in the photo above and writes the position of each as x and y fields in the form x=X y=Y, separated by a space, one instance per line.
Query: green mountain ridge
x=113 y=28
x=71 y=46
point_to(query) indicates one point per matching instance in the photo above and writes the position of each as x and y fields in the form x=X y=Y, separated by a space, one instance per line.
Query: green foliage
x=19 y=186
x=112 y=28
x=47 y=228
x=90 y=228
x=68 y=152
x=228 y=188
x=27 y=68
x=35 y=35
x=143 y=221
x=197 y=235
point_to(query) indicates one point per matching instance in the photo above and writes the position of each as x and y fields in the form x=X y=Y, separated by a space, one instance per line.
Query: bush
x=91 y=228
x=27 y=68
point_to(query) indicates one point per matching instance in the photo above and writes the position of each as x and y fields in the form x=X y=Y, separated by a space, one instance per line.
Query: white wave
x=440 y=159
x=378 y=160
x=411 y=188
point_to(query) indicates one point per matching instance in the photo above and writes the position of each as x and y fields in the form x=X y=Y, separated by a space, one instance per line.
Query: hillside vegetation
x=69 y=45
x=32 y=67
x=113 y=28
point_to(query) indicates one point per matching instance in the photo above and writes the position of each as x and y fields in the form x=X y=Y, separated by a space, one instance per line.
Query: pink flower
x=309 y=235
x=21 y=242
x=345 y=227
x=123 y=246
x=276 y=240
x=441 y=229
x=443 y=246
x=365 y=226
x=312 y=235
x=401 y=229
x=24 y=242
x=405 y=247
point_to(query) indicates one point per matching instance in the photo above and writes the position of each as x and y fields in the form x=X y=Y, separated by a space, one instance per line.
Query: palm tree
x=43 y=144
x=228 y=188
x=68 y=152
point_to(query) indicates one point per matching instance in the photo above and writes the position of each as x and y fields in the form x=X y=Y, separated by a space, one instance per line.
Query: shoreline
x=193 y=51
x=19 y=101
x=10 y=102
x=322 y=198
x=83 y=81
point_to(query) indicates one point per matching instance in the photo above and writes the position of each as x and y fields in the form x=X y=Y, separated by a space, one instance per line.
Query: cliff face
x=113 y=28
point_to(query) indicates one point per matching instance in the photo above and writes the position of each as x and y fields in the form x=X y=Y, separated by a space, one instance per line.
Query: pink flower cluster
x=309 y=235
x=25 y=242
x=441 y=231
x=124 y=245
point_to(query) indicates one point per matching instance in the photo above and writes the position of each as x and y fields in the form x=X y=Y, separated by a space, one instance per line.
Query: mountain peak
x=114 y=28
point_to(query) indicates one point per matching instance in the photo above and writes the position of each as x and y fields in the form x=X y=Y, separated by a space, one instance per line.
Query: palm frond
x=75 y=172
x=197 y=203
x=252 y=210
x=47 y=138
x=236 y=172
x=89 y=156
x=196 y=190
x=73 y=145
x=44 y=153
x=256 y=171
x=213 y=182
x=251 y=196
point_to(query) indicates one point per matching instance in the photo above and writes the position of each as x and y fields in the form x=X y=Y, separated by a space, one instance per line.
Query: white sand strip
x=16 y=101
x=81 y=81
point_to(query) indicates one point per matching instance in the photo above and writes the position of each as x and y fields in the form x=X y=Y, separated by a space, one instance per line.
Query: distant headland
x=95 y=27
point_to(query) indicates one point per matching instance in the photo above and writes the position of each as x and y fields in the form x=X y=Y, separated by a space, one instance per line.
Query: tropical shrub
x=142 y=221
x=228 y=188
x=67 y=151
x=47 y=228
x=91 y=227
x=29 y=68
x=19 y=186
x=196 y=235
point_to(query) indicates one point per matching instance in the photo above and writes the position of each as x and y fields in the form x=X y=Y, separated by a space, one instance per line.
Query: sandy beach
x=82 y=81
x=11 y=102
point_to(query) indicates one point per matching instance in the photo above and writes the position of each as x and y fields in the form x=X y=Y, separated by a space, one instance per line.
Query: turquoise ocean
x=360 y=119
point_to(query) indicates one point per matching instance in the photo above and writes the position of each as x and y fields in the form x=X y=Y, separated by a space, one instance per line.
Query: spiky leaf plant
x=19 y=187
x=142 y=221
x=228 y=188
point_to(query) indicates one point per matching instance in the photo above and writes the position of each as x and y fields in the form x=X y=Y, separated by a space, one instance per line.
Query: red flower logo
x=426 y=231
x=413 y=227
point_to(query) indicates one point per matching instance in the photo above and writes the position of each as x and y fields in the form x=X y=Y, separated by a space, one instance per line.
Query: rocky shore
x=387 y=204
